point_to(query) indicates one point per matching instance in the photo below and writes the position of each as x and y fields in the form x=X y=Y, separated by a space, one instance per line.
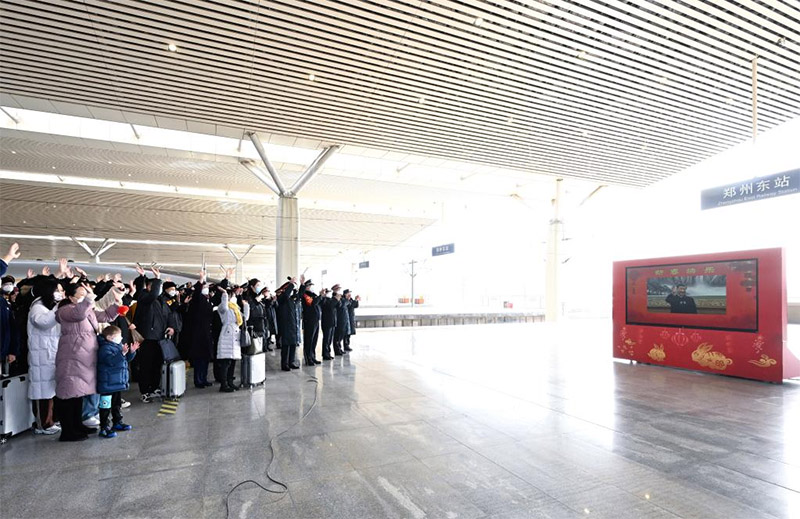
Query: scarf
x=235 y=308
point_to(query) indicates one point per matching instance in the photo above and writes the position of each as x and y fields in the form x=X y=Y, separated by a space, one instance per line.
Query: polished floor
x=493 y=421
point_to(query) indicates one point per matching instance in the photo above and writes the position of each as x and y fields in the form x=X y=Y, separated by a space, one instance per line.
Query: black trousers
x=288 y=353
x=227 y=369
x=115 y=410
x=310 y=337
x=346 y=343
x=327 y=339
x=338 y=336
x=200 y=371
x=150 y=360
x=69 y=410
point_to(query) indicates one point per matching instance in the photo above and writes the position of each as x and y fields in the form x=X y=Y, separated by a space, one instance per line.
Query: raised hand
x=134 y=346
x=12 y=254
x=139 y=269
x=89 y=291
x=63 y=266
x=107 y=277
x=132 y=288
x=167 y=278
x=46 y=271
x=81 y=272
x=156 y=272
x=31 y=273
x=202 y=275
x=99 y=278
x=117 y=277
x=229 y=273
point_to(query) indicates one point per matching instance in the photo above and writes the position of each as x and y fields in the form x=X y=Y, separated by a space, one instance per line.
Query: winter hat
x=168 y=285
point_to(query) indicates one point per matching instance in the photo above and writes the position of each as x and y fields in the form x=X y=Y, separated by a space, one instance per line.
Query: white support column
x=287 y=254
x=238 y=271
x=552 y=310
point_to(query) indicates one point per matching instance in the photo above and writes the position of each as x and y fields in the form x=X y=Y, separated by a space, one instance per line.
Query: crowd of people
x=82 y=340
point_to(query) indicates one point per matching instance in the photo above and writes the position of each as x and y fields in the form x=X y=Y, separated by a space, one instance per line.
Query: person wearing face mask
x=9 y=332
x=199 y=316
x=76 y=359
x=171 y=298
x=153 y=320
x=44 y=332
x=112 y=378
x=257 y=323
x=229 y=344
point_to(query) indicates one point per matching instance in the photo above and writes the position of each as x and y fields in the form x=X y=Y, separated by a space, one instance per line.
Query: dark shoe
x=236 y=387
x=295 y=366
x=89 y=430
x=200 y=386
x=208 y=384
x=327 y=358
x=286 y=369
x=347 y=348
x=317 y=361
x=226 y=389
x=107 y=433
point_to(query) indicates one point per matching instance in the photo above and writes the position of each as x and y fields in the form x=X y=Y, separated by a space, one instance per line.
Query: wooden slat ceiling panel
x=625 y=92
x=35 y=209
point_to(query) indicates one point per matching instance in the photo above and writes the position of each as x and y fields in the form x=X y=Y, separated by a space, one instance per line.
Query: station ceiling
x=596 y=91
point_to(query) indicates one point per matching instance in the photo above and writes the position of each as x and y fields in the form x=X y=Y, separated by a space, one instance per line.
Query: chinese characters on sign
x=363 y=265
x=443 y=249
x=780 y=184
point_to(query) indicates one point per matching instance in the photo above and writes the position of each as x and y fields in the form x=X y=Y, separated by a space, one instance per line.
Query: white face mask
x=58 y=296
x=204 y=291
x=79 y=300
x=171 y=293
x=8 y=287
x=117 y=339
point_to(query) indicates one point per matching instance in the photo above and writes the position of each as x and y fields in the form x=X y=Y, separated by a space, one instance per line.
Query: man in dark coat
x=342 y=324
x=328 y=307
x=289 y=311
x=153 y=321
x=198 y=326
x=312 y=313
x=352 y=304
x=679 y=302
x=257 y=322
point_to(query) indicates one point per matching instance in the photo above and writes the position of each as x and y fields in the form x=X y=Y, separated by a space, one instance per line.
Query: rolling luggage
x=254 y=369
x=16 y=414
x=173 y=379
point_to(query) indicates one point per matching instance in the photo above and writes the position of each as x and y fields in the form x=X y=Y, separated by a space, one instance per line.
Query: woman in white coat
x=43 y=335
x=228 y=346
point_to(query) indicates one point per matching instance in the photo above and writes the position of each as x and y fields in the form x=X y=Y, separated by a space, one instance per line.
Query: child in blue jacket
x=112 y=378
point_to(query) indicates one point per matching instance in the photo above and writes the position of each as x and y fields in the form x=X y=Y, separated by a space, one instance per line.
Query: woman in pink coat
x=76 y=359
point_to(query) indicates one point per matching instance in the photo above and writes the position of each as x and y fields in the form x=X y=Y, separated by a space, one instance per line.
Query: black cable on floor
x=284 y=488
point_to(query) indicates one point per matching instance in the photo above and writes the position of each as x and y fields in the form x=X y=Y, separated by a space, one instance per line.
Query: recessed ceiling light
x=312 y=77
x=172 y=47
x=478 y=22
x=662 y=79
x=110 y=162
x=53 y=167
x=585 y=133
x=13 y=152
x=729 y=100
x=511 y=120
x=582 y=54
x=422 y=100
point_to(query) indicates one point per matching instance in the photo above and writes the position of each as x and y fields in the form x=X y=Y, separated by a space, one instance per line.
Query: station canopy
x=127 y=120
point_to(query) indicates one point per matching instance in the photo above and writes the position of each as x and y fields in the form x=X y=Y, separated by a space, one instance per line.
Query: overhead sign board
x=363 y=265
x=771 y=186
x=441 y=250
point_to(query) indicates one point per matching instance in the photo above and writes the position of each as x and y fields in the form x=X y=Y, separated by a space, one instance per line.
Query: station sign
x=441 y=250
x=363 y=265
x=779 y=184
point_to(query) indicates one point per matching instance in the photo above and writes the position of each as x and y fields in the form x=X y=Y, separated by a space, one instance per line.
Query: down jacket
x=43 y=334
x=228 y=345
x=76 y=360
x=112 y=366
